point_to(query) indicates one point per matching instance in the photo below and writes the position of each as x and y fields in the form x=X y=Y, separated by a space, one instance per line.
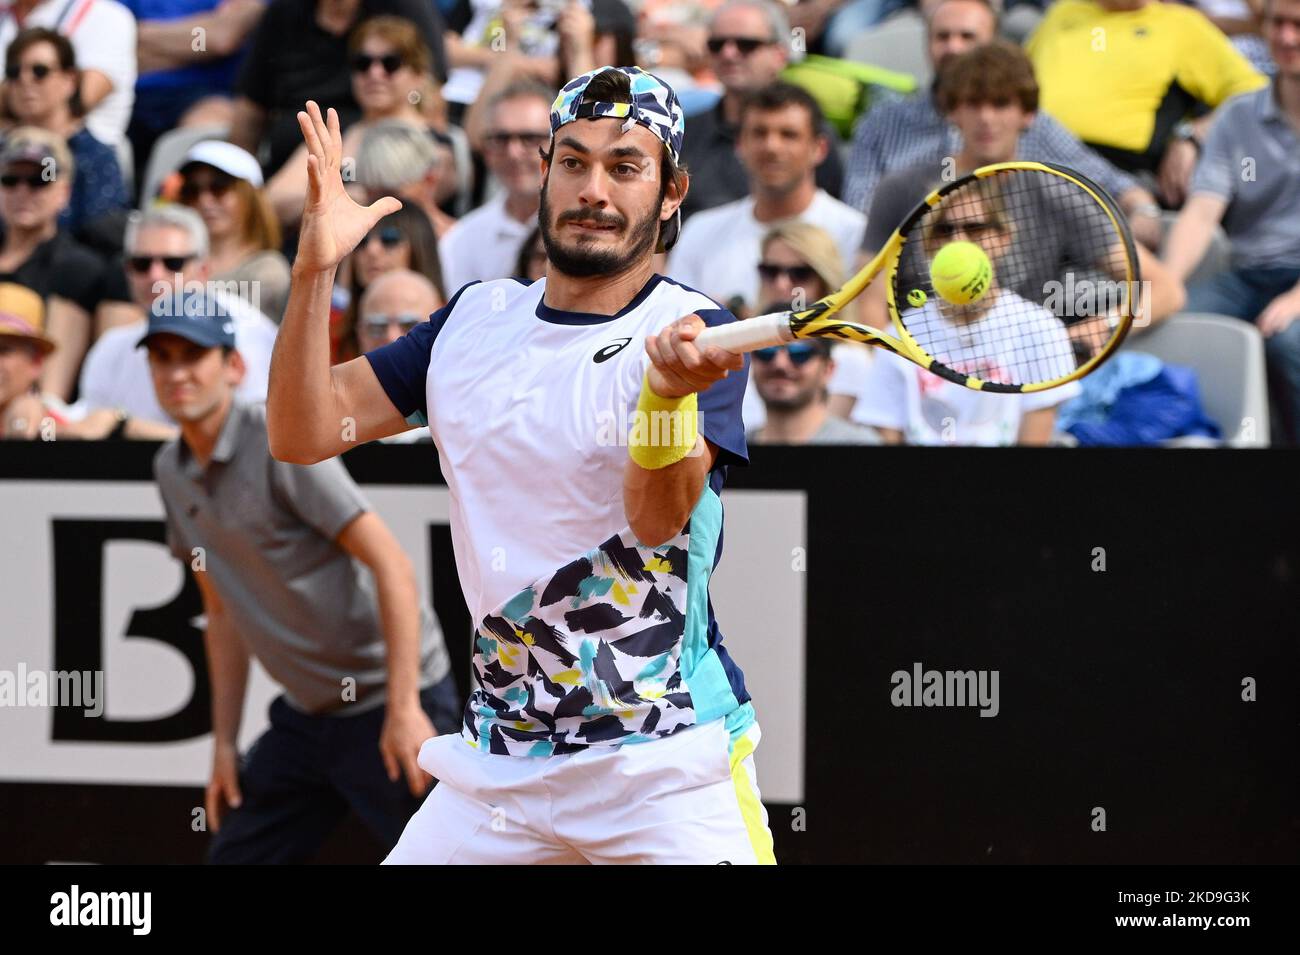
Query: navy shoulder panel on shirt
x=403 y=366
x=687 y=288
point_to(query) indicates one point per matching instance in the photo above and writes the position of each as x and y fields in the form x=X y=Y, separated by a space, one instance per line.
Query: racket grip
x=749 y=334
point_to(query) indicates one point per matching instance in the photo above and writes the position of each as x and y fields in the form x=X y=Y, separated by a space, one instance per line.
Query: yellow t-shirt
x=1116 y=78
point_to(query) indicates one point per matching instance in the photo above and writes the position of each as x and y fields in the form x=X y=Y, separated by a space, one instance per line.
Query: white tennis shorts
x=688 y=798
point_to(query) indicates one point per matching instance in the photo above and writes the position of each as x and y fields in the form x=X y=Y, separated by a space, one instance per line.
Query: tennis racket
x=1057 y=300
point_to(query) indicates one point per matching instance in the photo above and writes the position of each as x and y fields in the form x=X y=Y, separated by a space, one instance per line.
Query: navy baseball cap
x=192 y=315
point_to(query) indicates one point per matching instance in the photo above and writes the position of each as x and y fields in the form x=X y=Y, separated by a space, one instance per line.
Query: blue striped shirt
x=902 y=132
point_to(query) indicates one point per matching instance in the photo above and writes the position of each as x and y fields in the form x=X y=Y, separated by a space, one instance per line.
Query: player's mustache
x=591 y=217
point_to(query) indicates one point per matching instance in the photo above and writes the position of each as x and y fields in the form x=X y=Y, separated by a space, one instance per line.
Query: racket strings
x=1059 y=284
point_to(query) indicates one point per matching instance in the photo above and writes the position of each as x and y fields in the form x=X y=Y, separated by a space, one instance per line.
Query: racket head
x=1063 y=288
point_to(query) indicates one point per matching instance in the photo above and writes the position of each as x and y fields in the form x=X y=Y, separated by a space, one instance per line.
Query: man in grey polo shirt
x=297 y=571
x=1248 y=179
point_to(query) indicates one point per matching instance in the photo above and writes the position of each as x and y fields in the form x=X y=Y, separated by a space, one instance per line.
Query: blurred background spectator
x=485 y=243
x=188 y=51
x=989 y=94
x=548 y=40
x=792 y=380
x=1137 y=80
x=799 y=264
x=671 y=43
x=1240 y=21
x=910 y=405
x=411 y=162
x=531 y=264
x=749 y=44
x=393 y=304
x=898 y=133
x=103 y=33
x=780 y=145
x=390 y=67
x=167 y=257
x=1133 y=93
x=836 y=22
x=402 y=240
x=299 y=51
x=1248 y=180
x=223 y=184
x=23 y=349
x=41 y=79
x=36 y=176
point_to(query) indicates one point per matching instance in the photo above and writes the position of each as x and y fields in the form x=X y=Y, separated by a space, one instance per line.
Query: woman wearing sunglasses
x=390 y=66
x=800 y=263
x=36 y=176
x=402 y=240
x=41 y=78
x=222 y=183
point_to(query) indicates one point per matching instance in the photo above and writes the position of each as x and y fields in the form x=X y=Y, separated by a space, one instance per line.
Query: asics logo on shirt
x=610 y=350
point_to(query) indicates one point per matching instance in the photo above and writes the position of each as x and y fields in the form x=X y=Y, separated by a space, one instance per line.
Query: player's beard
x=580 y=261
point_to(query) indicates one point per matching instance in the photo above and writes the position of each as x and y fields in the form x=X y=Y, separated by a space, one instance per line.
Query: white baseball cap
x=227 y=157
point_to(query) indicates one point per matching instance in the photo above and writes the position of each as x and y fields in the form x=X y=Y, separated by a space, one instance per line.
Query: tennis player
x=584 y=440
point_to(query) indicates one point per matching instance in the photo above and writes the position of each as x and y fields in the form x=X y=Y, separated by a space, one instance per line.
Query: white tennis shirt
x=584 y=635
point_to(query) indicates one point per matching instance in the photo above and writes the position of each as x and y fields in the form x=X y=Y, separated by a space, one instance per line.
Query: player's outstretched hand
x=678 y=367
x=405 y=730
x=332 y=222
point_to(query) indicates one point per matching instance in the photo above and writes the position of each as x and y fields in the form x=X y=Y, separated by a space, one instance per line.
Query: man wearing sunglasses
x=484 y=244
x=166 y=250
x=748 y=47
x=780 y=145
x=793 y=381
x=392 y=306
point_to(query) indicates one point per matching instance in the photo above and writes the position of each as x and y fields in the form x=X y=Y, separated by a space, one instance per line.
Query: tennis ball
x=960 y=272
x=916 y=298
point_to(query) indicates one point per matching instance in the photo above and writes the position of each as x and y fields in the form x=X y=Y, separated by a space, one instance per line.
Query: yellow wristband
x=664 y=430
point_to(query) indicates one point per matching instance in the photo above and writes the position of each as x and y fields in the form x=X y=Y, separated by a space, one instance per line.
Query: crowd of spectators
x=151 y=147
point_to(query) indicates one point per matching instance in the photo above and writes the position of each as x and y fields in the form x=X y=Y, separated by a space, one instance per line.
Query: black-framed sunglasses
x=798 y=274
x=140 y=264
x=530 y=141
x=389 y=237
x=37 y=71
x=218 y=185
x=391 y=62
x=974 y=228
x=799 y=353
x=745 y=44
x=379 y=324
x=35 y=181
